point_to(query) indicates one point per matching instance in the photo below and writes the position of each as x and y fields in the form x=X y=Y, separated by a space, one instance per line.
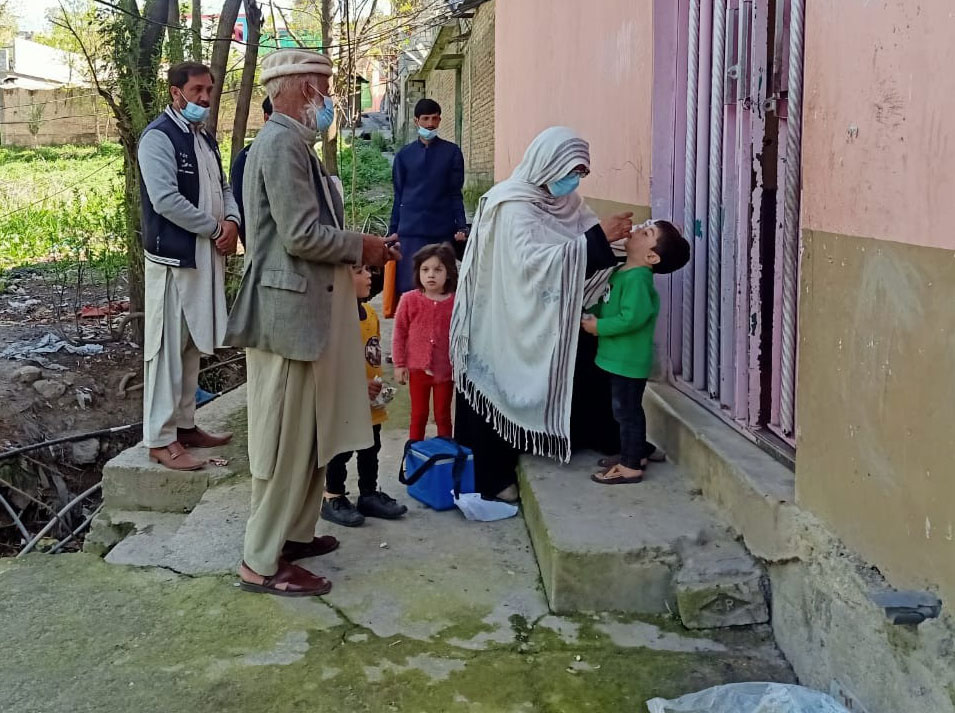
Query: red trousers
x=421 y=385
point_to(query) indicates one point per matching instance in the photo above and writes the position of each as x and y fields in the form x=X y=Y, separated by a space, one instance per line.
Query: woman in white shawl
x=515 y=326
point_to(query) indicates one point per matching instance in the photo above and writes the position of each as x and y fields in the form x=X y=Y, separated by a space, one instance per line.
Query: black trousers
x=628 y=412
x=495 y=460
x=337 y=469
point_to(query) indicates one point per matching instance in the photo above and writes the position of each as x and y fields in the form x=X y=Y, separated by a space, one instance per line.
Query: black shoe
x=341 y=511
x=381 y=505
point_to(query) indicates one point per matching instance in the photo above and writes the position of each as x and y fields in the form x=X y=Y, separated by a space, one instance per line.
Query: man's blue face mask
x=325 y=114
x=195 y=113
x=564 y=186
x=192 y=112
x=427 y=134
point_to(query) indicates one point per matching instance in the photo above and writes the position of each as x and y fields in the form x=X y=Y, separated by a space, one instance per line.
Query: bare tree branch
x=253 y=14
x=220 y=58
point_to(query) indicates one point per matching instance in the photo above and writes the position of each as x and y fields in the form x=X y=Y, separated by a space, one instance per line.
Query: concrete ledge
x=753 y=491
x=615 y=548
x=132 y=482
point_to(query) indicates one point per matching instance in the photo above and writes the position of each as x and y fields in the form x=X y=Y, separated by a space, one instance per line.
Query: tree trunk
x=196 y=34
x=220 y=58
x=330 y=137
x=174 y=50
x=139 y=102
x=253 y=14
x=135 y=269
x=155 y=15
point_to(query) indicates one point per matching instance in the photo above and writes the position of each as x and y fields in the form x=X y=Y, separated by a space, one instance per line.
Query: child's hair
x=426 y=106
x=673 y=249
x=444 y=253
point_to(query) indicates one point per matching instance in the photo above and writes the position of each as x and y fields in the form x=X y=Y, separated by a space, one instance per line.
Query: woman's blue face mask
x=564 y=186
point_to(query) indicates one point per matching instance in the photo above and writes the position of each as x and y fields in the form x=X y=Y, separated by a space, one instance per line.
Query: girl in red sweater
x=420 y=349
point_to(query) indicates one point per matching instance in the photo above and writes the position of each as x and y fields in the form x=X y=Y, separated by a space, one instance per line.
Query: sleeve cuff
x=354 y=256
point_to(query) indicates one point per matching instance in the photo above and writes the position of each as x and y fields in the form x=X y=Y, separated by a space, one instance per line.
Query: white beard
x=309 y=117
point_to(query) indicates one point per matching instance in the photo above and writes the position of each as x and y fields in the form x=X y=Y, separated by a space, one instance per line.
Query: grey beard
x=309 y=117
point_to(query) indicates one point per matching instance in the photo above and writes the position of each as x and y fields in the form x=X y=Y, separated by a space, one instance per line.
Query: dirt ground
x=85 y=395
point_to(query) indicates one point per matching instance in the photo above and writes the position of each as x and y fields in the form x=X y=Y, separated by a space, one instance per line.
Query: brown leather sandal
x=288 y=581
x=614 y=476
x=655 y=456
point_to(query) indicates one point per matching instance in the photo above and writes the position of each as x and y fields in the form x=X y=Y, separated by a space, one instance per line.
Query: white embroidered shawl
x=520 y=292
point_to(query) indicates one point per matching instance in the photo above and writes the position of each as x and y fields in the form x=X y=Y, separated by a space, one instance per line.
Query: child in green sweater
x=624 y=322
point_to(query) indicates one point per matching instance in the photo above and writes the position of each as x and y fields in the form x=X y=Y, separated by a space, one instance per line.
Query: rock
x=68 y=379
x=28 y=374
x=721 y=585
x=49 y=389
x=85 y=451
x=84 y=397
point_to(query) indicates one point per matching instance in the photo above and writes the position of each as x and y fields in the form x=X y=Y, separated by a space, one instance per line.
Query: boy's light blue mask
x=325 y=114
x=564 y=186
x=427 y=134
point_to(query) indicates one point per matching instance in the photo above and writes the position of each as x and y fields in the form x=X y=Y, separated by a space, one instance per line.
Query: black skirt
x=592 y=426
x=495 y=460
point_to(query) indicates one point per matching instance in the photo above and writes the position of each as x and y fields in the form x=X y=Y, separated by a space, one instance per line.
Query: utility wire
x=51 y=101
x=435 y=21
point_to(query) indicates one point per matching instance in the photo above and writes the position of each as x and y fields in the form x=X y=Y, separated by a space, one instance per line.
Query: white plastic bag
x=475 y=507
x=750 y=698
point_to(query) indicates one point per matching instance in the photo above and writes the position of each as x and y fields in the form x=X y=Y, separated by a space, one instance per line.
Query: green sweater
x=626 y=319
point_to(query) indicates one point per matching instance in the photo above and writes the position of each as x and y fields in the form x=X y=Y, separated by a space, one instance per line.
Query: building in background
x=47 y=98
x=452 y=62
x=805 y=354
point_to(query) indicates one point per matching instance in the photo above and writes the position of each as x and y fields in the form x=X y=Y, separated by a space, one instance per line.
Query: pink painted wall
x=587 y=65
x=884 y=70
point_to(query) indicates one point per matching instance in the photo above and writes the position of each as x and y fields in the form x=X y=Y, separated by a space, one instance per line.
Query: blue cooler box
x=433 y=468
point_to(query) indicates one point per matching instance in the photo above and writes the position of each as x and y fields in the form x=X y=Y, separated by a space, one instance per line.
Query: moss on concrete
x=86 y=636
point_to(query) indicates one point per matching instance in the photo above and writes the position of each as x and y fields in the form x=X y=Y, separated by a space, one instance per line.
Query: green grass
x=373 y=198
x=61 y=202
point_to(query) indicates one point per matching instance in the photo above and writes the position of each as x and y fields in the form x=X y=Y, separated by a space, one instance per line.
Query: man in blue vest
x=428 y=176
x=190 y=222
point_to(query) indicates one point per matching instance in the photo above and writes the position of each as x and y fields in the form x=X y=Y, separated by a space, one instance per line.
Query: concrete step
x=206 y=541
x=132 y=482
x=653 y=547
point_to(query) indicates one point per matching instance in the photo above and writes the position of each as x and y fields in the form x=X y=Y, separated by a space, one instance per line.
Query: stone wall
x=63 y=116
x=440 y=87
x=78 y=116
x=477 y=88
x=476 y=137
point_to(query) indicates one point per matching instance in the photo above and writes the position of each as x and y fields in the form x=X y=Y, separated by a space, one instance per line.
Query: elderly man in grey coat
x=295 y=314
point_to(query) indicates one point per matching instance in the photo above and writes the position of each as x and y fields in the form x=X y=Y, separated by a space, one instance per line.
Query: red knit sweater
x=422 y=334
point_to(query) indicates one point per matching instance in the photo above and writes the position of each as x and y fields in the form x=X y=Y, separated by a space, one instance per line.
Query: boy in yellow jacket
x=372 y=502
